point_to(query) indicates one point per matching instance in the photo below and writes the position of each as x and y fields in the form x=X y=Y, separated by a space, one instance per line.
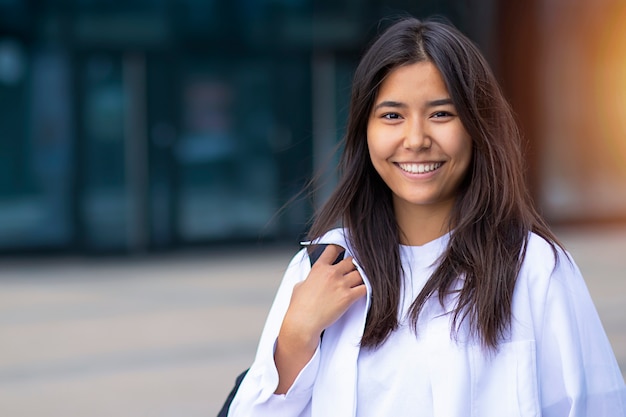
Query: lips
x=414 y=168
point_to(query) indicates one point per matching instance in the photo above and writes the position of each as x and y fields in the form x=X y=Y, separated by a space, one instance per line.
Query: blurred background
x=157 y=124
x=152 y=153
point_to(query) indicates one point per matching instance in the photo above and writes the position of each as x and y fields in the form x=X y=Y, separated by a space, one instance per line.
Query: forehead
x=418 y=79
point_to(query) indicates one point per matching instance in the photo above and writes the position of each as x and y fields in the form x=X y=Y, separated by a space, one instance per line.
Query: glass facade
x=149 y=124
x=36 y=145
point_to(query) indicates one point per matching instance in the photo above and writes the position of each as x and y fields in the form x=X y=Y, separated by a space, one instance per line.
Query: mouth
x=414 y=168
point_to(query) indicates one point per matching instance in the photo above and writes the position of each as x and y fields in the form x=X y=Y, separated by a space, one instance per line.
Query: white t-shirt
x=556 y=361
x=382 y=379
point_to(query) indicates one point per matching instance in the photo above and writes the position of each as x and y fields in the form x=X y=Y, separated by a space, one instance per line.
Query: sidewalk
x=164 y=336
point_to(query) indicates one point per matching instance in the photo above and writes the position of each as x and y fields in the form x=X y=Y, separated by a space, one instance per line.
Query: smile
x=420 y=168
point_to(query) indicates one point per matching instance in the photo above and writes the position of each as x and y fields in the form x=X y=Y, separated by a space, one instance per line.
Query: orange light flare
x=609 y=86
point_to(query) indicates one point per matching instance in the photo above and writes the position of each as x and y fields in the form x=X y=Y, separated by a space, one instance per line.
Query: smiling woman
x=453 y=295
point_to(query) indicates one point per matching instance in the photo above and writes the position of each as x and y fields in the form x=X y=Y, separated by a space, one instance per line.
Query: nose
x=416 y=135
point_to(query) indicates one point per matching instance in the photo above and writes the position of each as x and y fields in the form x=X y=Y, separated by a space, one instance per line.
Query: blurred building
x=153 y=124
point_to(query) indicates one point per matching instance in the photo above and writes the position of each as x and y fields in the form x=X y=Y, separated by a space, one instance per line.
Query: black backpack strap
x=224 y=411
x=315 y=251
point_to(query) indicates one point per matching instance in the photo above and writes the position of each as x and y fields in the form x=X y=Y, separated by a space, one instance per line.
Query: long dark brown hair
x=493 y=214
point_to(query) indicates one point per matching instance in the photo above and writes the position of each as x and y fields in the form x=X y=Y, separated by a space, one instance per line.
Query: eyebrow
x=396 y=104
x=440 y=102
x=388 y=103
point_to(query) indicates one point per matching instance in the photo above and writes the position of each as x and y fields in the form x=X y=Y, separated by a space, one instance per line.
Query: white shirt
x=382 y=379
x=556 y=362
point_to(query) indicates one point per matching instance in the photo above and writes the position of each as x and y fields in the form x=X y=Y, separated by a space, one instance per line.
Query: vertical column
x=136 y=151
x=518 y=49
x=324 y=125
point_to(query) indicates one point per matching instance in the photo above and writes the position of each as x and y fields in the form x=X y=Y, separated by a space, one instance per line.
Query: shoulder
x=540 y=253
x=549 y=287
x=546 y=264
x=298 y=260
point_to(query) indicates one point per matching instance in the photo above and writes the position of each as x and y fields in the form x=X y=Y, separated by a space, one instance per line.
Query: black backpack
x=314 y=253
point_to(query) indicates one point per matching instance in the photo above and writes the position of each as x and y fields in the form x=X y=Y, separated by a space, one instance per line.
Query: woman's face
x=416 y=140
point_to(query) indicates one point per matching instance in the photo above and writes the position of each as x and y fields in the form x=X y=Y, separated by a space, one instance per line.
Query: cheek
x=378 y=147
x=372 y=149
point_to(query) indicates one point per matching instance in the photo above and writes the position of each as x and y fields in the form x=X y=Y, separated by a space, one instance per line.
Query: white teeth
x=420 y=168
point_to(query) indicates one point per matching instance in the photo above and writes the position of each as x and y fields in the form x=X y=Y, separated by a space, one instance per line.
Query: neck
x=422 y=224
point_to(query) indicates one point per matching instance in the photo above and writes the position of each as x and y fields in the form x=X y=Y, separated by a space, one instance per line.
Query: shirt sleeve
x=255 y=396
x=579 y=375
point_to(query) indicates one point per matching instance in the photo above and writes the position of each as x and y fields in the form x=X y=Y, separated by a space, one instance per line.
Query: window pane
x=104 y=199
x=228 y=174
x=36 y=143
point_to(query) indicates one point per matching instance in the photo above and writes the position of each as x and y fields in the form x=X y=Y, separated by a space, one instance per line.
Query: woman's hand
x=316 y=303
x=319 y=300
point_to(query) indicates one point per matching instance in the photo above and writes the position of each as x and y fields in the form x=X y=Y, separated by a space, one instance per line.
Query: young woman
x=454 y=298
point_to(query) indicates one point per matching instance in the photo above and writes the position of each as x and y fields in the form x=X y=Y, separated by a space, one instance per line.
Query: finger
x=346 y=266
x=353 y=279
x=358 y=292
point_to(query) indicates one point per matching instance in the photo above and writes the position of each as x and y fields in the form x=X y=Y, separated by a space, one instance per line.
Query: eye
x=391 y=116
x=441 y=114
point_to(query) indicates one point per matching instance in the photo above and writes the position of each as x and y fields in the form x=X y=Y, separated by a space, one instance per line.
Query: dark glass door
x=36 y=143
x=228 y=176
x=113 y=151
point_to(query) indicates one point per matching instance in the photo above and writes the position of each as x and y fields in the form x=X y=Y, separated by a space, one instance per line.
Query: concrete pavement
x=165 y=335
